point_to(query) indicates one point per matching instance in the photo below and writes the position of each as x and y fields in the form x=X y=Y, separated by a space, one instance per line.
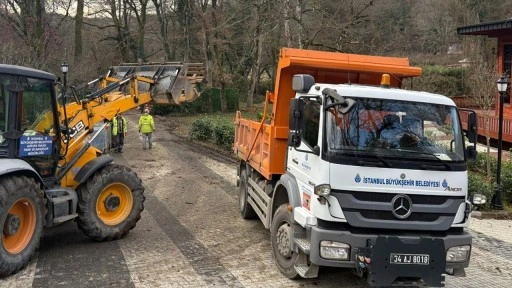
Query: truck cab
x=386 y=168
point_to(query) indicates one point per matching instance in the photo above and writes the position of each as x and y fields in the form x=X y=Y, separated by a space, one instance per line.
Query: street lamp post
x=496 y=198
x=64 y=67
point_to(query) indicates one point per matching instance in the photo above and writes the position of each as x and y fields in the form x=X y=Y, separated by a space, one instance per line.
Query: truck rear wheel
x=246 y=209
x=281 y=237
x=110 y=203
x=22 y=222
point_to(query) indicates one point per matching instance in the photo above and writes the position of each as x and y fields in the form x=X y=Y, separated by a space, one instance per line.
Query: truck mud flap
x=406 y=260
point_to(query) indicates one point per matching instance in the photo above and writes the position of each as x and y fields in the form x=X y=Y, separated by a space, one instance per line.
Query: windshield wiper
x=382 y=162
x=446 y=165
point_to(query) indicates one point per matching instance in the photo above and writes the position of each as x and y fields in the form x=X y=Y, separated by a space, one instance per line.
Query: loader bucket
x=176 y=82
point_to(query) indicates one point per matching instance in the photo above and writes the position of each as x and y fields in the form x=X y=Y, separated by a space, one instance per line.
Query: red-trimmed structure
x=502 y=30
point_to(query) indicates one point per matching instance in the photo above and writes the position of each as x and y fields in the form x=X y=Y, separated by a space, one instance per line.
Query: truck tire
x=110 y=203
x=246 y=209
x=21 y=217
x=281 y=233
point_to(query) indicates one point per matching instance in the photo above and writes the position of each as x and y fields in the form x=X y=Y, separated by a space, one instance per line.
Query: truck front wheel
x=22 y=222
x=110 y=203
x=281 y=233
x=246 y=209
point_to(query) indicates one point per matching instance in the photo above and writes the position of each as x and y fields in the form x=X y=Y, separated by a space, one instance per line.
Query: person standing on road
x=119 y=130
x=146 y=127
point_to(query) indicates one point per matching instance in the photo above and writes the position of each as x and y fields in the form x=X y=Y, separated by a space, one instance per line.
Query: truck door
x=303 y=162
x=33 y=123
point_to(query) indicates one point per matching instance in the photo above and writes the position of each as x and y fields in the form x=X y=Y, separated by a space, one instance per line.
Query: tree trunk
x=162 y=21
x=488 y=143
x=287 y=34
x=207 y=47
x=79 y=23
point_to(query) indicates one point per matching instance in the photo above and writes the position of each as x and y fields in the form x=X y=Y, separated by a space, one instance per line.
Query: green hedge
x=219 y=131
x=201 y=129
x=443 y=80
x=208 y=102
x=478 y=182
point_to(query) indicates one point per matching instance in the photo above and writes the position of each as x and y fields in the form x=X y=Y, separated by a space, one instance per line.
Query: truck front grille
x=375 y=210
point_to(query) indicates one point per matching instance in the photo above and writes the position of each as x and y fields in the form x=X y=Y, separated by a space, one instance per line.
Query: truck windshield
x=394 y=128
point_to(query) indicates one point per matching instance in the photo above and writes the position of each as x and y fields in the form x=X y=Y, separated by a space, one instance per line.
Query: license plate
x=418 y=259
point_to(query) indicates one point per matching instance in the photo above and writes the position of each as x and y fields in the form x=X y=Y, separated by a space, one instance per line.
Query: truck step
x=65 y=218
x=61 y=199
x=307 y=271
x=62 y=204
x=303 y=244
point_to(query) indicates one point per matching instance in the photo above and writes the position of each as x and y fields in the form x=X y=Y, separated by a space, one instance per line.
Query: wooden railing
x=493 y=125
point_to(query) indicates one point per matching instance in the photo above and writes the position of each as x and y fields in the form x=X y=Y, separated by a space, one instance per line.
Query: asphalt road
x=191 y=234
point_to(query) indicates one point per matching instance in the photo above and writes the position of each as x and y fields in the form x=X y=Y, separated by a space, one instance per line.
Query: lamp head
x=502 y=84
x=64 y=67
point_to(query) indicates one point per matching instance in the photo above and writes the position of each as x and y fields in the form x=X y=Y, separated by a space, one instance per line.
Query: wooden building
x=502 y=31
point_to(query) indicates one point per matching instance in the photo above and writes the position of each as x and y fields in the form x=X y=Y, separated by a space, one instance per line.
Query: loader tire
x=281 y=233
x=246 y=209
x=21 y=217
x=110 y=203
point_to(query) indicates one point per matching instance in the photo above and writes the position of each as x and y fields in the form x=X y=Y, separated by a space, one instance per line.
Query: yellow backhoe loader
x=49 y=171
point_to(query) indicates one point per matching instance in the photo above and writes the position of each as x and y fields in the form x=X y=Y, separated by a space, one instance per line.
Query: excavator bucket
x=175 y=82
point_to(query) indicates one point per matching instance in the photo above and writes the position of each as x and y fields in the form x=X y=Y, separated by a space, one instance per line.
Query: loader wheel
x=110 y=203
x=281 y=233
x=21 y=201
x=246 y=209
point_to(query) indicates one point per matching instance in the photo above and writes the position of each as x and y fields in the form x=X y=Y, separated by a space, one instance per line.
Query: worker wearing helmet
x=146 y=127
x=119 y=130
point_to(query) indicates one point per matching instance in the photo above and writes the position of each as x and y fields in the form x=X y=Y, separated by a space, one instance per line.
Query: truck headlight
x=479 y=199
x=323 y=190
x=334 y=250
x=458 y=253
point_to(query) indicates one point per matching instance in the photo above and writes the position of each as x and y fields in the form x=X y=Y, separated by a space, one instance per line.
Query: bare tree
x=160 y=8
x=30 y=22
x=482 y=82
x=261 y=11
x=139 y=9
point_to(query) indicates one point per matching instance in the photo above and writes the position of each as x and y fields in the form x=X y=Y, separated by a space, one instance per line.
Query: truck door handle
x=295 y=161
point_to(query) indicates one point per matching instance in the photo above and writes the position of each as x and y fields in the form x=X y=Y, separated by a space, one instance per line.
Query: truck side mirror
x=294 y=139
x=472 y=133
x=471 y=152
x=296 y=121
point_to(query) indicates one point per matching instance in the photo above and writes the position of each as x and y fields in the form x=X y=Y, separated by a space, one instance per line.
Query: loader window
x=36 y=110
x=39 y=142
x=3 y=108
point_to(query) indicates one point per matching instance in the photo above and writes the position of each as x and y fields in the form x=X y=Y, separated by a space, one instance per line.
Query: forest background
x=238 y=42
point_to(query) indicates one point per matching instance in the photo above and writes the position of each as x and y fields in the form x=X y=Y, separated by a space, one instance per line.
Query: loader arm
x=123 y=88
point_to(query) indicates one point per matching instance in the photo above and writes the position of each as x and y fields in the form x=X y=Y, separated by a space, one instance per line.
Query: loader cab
x=28 y=124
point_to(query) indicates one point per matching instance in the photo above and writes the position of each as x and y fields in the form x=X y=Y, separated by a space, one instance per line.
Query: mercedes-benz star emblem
x=402 y=206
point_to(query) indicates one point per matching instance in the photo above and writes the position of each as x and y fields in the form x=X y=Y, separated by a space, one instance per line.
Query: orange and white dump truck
x=350 y=171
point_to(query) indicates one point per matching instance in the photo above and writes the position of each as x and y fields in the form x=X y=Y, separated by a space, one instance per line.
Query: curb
x=498 y=215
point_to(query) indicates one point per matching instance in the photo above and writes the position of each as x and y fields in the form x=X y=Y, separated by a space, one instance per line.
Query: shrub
x=219 y=131
x=443 y=80
x=201 y=129
x=478 y=184
x=478 y=167
x=224 y=134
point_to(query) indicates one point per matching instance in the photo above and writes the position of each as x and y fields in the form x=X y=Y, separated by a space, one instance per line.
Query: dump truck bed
x=263 y=144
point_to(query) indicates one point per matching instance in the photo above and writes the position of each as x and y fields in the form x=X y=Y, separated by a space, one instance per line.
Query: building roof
x=491 y=29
